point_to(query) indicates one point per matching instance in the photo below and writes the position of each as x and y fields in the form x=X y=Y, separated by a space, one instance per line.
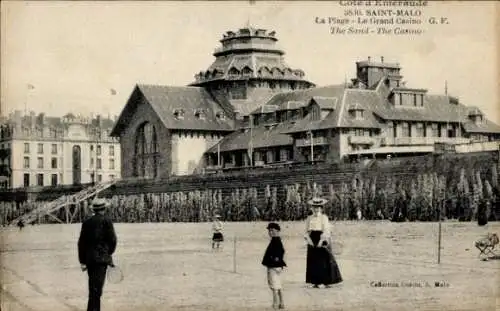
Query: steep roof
x=437 y=108
x=306 y=95
x=484 y=126
x=165 y=100
x=261 y=136
x=327 y=103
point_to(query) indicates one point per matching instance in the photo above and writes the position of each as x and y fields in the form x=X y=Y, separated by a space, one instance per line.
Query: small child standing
x=273 y=260
x=217 y=228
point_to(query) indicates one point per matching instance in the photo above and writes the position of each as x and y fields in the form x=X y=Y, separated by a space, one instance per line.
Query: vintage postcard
x=249 y=155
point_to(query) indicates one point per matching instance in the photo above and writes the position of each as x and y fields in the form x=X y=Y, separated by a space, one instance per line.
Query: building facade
x=248 y=69
x=38 y=150
x=249 y=108
x=375 y=115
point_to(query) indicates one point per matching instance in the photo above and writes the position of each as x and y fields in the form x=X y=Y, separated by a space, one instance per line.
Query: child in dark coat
x=273 y=260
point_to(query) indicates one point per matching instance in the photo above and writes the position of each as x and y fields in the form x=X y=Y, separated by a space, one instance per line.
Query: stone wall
x=322 y=174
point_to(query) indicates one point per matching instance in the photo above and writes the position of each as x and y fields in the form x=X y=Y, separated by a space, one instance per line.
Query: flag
x=113 y=91
x=30 y=86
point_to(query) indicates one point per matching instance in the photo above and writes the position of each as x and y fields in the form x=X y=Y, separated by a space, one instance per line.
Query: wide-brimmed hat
x=273 y=225
x=99 y=204
x=317 y=202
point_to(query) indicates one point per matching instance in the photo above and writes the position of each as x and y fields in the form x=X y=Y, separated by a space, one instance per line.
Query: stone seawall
x=321 y=174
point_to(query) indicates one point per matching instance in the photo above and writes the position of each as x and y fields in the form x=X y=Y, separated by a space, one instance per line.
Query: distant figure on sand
x=96 y=244
x=380 y=215
x=482 y=213
x=359 y=214
x=217 y=237
x=20 y=224
x=321 y=265
x=273 y=260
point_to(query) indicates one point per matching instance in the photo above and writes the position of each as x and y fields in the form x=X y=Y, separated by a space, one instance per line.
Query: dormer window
x=247 y=71
x=357 y=112
x=200 y=114
x=476 y=115
x=220 y=115
x=233 y=72
x=179 y=114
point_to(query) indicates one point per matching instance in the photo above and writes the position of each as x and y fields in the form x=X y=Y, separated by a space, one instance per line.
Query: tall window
x=146 y=151
x=53 y=180
x=435 y=130
x=40 y=148
x=26 y=163
x=111 y=151
x=98 y=150
x=406 y=129
x=111 y=164
x=26 y=148
x=40 y=163
x=99 y=164
x=420 y=130
x=39 y=179
x=26 y=179
x=284 y=155
x=54 y=149
x=54 y=163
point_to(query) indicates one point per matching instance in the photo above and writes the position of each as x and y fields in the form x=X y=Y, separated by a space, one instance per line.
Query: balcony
x=361 y=140
x=414 y=141
x=4 y=153
x=5 y=170
x=306 y=142
x=478 y=147
x=239 y=46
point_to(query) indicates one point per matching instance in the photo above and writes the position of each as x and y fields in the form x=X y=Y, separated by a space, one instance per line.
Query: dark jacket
x=273 y=257
x=97 y=241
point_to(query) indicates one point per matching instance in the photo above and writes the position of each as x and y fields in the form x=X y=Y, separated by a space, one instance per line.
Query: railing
x=405 y=141
x=362 y=140
x=478 y=147
x=52 y=206
x=4 y=153
x=247 y=46
x=306 y=142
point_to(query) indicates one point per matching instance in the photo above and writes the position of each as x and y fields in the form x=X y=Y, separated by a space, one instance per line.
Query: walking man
x=96 y=244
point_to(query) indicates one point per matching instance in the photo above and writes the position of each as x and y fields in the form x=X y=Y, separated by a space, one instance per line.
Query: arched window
x=146 y=154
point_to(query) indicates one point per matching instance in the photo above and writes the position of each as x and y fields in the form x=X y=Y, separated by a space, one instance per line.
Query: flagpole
x=218 y=154
x=29 y=88
x=250 y=155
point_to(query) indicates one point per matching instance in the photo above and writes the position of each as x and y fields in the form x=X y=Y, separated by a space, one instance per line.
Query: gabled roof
x=437 y=108
x=306 y=95
x=484 y=126
x=164 y=100
x=260 y=136
x=326 y=103
x=283 y=106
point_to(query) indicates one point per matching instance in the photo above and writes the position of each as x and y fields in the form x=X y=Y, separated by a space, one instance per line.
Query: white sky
x=75 y=52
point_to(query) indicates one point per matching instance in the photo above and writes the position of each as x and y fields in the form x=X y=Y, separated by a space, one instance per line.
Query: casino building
x=250 y=108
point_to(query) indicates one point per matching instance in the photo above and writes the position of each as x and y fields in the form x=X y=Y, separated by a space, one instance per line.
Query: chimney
x=17 y=120
x=41 y=118
x=99 y=120
x=381 y=59
x=32 y=119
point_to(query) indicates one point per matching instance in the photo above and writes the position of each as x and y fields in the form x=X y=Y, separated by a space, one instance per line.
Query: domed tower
x=248 y=69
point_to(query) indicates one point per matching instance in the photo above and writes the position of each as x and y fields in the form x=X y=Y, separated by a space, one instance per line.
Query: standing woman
x=321 y=265
x=217 y=227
